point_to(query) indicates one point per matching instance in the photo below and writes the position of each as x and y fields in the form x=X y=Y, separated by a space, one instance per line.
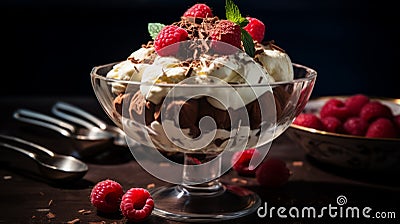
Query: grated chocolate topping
x=197 y=28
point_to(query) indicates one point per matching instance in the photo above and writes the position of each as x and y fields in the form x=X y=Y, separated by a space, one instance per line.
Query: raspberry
x=272 y=173
x=137 y=204
x=335 y=108
x=374 y=110
x=228 y=32
x=355 y=126
x=169 y=35
x=255 y=28
x=199 y=11
x=308 y=120
x=396 y=121
x=381 y=128
x=241 y=160
x=332 y=124
x=106 y=196
x=355 y=103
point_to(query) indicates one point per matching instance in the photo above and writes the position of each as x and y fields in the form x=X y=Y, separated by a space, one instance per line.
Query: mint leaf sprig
x=233 y=14
x=154 y=29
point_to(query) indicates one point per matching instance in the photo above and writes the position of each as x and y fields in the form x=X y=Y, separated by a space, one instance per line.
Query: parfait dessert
x=201 y=48
x=206 y=87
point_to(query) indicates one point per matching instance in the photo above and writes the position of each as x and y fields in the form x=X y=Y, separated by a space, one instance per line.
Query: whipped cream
x=277 y=64
x=232 y=69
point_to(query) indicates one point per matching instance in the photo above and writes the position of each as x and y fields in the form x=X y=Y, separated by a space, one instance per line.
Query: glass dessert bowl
x=204 y=88
x=206 y=122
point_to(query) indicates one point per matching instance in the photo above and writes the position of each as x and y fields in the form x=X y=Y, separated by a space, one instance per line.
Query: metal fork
x=79 y=116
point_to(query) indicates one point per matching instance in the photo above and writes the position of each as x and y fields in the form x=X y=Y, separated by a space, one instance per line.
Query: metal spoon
x=66 y=129
x=79 y=116
x=53 y=166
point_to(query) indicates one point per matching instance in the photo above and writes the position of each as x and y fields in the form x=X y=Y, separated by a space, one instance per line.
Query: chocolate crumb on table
x=50 y=215
x=74 y=221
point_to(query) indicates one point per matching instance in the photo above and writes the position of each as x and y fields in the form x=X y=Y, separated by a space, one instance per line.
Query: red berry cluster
x=224 y=31
x=272 y=172
x=356 y=115
x=108 y=196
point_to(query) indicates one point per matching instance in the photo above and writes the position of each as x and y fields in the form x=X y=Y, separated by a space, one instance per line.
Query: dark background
x=50 y=47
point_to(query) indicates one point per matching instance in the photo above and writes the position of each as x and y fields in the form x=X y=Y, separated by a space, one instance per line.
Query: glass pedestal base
x=204 y=204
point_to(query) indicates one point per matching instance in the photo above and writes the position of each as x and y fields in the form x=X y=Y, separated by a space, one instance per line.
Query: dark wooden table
x=26 y=197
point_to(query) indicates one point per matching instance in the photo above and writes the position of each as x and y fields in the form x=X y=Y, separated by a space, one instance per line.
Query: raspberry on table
x=332 y=124
x=137 y=204
x=382 y=128
x=374 y=110
x=228 y=32
x=241 y=160
x=199 y=11
x=335 y=108
x=396 y=121
x=309 y=120
x=164 y=43
x=273 y=173
x=255 y=28
x=355 y=103
x=355 y=126
x=106 y=196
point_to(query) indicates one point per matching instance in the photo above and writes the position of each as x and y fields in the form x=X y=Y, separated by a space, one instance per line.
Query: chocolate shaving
x=297 y=163
x=50 y=215
x=136 y=69
x=239 y=180
x=151 y=186
x=148 y=45
x=189 y=72
x=259 y=51
x=74 y=221
x=134 y=60
x=273 y=46
x=197 y=28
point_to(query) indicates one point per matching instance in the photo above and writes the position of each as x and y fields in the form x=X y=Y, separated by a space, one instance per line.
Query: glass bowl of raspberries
x=354 y=132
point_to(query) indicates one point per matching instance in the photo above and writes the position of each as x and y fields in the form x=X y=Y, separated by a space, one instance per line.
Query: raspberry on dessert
x=169 y=35
x=137 y=204
x=382 y=128
x=228 y=32
x=355 y=126
x=241 y=161
x=272 y=172
x=335 y=108
x=332 y=124
x=374 y=110
x=309 y=120
x=355 y=103
x=255 y=28
x=199 y=11
x=106 y=196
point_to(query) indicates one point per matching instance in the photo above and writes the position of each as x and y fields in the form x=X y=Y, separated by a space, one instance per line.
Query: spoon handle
x=61 y=108
x=31 y=144
x=45 y=121
x=18 y=149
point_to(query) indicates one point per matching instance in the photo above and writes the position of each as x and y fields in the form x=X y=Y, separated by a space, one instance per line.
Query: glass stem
x=201 y=179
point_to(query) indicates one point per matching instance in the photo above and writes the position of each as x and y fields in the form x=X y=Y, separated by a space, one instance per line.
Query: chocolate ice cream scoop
x=187 y=111
x=140 y=109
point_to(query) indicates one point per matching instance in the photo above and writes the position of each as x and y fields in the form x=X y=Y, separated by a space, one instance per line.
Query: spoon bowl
x=61 y=167
x=52 y=166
